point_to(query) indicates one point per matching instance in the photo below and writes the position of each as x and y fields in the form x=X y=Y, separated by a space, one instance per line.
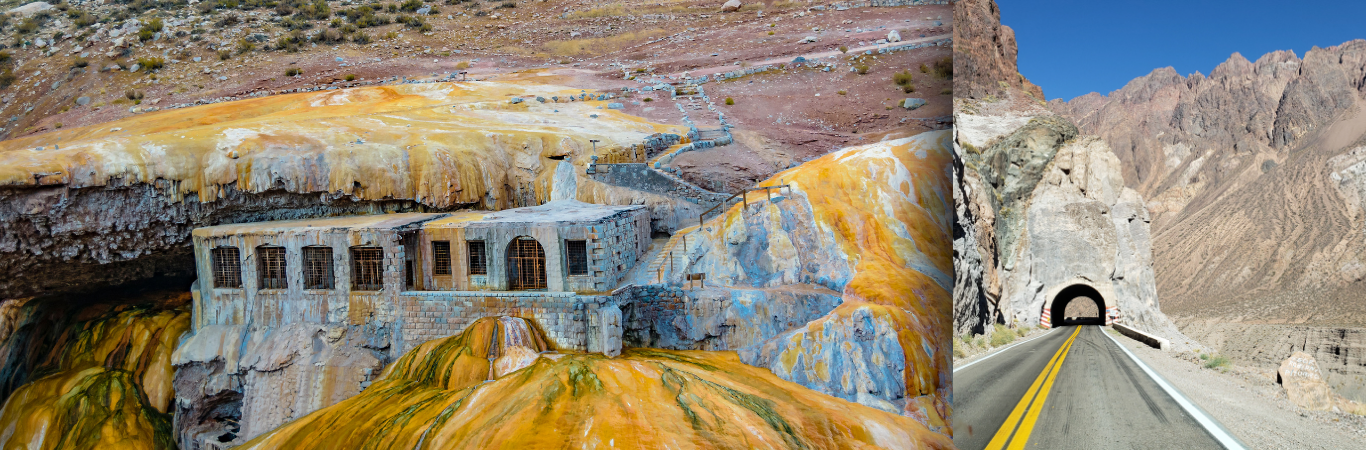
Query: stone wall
x=564 y=317
x=275 y=307
x=642 y=178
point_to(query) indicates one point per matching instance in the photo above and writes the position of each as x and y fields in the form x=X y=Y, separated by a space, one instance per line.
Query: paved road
x=1091 y=395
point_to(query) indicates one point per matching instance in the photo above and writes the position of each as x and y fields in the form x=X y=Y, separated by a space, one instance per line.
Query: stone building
x=424 y=276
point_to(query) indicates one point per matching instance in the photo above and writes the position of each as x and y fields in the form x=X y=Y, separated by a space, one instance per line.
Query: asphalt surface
x=1096 y=398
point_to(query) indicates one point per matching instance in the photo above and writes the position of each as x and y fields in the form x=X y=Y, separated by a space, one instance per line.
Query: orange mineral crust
x=441 y=144
x=111 y=387
x=436 y=397
x=872 y=222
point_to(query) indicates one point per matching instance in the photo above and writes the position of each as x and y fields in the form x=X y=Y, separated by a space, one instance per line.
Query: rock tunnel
x=1072 y=305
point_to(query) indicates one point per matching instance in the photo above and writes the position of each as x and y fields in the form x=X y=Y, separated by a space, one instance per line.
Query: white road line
x=1213 y=427
x=957 y=368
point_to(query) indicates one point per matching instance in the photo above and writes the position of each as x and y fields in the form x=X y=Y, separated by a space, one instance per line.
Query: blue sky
x=1074 y=47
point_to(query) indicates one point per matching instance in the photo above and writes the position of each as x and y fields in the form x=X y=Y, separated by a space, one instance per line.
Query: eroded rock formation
x=437 y=397
x=872 y=223
x=1041 y=210
x=85 y=373
x=115 y=202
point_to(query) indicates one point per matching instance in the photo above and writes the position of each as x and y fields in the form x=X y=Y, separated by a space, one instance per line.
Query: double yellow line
x=1032 y=403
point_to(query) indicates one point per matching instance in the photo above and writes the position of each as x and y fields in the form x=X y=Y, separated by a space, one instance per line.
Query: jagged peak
x=1277 y=57
x=1236 y=65
x=1145 y=86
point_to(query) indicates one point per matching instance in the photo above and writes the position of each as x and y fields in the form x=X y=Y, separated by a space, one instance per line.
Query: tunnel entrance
x=1078 y=304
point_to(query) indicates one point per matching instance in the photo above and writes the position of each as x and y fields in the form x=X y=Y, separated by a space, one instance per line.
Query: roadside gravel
x=1249 y=403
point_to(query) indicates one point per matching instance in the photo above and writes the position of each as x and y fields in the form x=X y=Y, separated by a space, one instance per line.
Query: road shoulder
x=1254 y=410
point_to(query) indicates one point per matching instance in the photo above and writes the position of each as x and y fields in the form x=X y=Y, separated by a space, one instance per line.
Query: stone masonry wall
x=640 y=177
x=275 y=307
x=563 y=316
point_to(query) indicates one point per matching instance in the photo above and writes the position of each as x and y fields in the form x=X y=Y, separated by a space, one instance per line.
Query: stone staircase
x=673 y=260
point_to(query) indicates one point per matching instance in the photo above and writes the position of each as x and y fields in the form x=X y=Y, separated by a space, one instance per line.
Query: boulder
x=30 y=9
x=808 y=39
x=1303 y=382
x=913 y=103
x=135 y=67
x=893 y=36
x=82 y=101
x=732 y=5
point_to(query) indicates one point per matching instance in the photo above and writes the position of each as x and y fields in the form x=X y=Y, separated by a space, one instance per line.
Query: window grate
x=367 y=268
x=318 y=268
x=227 y=268
x=576 y=252
x=271 y=265
x=441 y=257
x=526 y=265
x=478 y=263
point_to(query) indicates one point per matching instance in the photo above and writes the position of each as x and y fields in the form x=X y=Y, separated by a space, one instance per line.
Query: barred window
x=576 y=252
x=441 y=256
x=227 y=268
x=271 y=266
x=478 y=263
x=367 y=268
x=318 y=268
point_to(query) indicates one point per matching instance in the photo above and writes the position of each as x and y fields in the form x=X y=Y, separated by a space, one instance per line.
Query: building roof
x=365 y=222
x=556 y=212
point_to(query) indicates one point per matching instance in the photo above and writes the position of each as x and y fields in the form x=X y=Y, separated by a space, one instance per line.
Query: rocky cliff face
x=984 y=53
x=1041 y=210
x=115 y=202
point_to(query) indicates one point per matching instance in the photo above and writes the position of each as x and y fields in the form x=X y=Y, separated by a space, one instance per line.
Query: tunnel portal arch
x=1055 y=307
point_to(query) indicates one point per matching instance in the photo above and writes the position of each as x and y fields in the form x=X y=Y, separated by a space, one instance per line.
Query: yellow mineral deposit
x=442 y=144
x=111 y=387
x=437 y=396
x=888 y=207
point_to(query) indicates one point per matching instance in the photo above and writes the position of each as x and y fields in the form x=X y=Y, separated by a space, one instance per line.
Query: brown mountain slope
x=1250 y=176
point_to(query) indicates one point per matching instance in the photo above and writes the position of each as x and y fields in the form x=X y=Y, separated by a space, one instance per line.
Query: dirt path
x=813 y=55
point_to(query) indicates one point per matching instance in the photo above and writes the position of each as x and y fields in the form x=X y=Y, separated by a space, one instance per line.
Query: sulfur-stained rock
x=107 y=383
x=873 y=223
x=434 y=397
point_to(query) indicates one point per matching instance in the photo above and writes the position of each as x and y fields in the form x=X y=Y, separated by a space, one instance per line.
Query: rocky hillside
x=984 y=53
x=1251 y=176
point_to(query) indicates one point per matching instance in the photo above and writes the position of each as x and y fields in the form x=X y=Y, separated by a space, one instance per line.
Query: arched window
x=525 y=265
